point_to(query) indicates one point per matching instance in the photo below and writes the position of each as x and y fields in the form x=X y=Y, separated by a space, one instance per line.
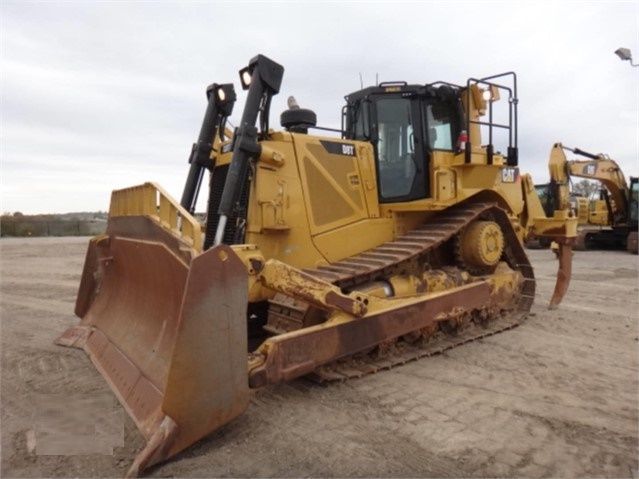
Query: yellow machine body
x=611 y=221
x=316 y=249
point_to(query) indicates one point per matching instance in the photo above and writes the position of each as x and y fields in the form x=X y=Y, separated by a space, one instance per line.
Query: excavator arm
x=598 y=167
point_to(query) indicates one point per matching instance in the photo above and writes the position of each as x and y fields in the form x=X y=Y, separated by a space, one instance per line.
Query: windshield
x=395 y=147
x=634 y=201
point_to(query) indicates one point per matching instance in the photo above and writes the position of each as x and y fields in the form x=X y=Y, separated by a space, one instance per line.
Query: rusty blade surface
x=169 y=338
x=208 y=380
x=563 y=275
x=207 y=384
x=88 y=281
x=130 y=326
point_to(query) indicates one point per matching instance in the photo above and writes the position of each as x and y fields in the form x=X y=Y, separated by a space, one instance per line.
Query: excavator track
x=419 y=244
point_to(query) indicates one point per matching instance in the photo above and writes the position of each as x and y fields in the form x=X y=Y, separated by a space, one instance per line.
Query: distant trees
x=79 y=224
x=586 y=188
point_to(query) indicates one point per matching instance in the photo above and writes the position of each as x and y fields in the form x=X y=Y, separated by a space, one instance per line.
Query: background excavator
x=398 y=237
x=611 y=220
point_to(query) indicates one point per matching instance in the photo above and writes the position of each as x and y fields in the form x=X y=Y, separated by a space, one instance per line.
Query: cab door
x=401 y=157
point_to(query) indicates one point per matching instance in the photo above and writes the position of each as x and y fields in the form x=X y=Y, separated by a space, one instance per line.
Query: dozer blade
x=169 y=338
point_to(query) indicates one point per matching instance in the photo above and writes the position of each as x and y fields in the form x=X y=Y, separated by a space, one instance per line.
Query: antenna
x=376 y=78
x=361 y=81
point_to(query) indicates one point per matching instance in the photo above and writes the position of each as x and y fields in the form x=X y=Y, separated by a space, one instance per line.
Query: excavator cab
x=634 y=201
x=632 y=244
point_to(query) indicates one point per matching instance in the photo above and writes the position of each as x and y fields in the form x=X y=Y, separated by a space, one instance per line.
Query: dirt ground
x=556 y=397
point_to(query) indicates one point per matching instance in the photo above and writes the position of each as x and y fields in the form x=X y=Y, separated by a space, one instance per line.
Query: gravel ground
x=554 y=397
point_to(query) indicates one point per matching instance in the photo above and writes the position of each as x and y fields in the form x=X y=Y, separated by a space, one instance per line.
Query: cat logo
x=509 y=175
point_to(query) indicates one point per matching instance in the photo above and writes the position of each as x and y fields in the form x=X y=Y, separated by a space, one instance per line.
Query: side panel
x=599 y=214
x=333 y=186
x=277 y=218
x=355 y=238
x=317 y=204
x=340 y=194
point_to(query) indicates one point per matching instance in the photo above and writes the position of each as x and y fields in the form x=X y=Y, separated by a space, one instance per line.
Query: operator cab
x=405 y=124
x=634 y=201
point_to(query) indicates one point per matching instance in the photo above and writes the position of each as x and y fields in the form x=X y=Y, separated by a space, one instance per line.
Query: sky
x=102 y=95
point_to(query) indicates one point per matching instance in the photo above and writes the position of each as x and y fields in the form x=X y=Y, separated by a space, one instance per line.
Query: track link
x=404 y=352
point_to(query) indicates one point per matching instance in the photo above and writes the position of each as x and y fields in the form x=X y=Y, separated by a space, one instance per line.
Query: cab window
x=440 y=126
x=634 y=201
x=395 y=147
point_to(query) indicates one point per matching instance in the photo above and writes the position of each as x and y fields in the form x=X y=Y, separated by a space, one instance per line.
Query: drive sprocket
x=479 y=246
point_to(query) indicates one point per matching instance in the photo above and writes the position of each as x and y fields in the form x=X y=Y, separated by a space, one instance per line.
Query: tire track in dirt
x=317 y=425
x=48 y=305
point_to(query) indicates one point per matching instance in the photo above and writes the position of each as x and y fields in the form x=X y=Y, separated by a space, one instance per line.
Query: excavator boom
x=613 y=223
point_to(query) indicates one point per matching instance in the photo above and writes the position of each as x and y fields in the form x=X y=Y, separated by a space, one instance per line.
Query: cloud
x=102 y=95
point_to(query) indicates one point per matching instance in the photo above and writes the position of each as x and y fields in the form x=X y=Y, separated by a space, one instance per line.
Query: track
x=403 y=352
x=420 y=245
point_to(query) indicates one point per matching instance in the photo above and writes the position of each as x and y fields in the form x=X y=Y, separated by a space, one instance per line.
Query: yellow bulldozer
x=329 y=255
